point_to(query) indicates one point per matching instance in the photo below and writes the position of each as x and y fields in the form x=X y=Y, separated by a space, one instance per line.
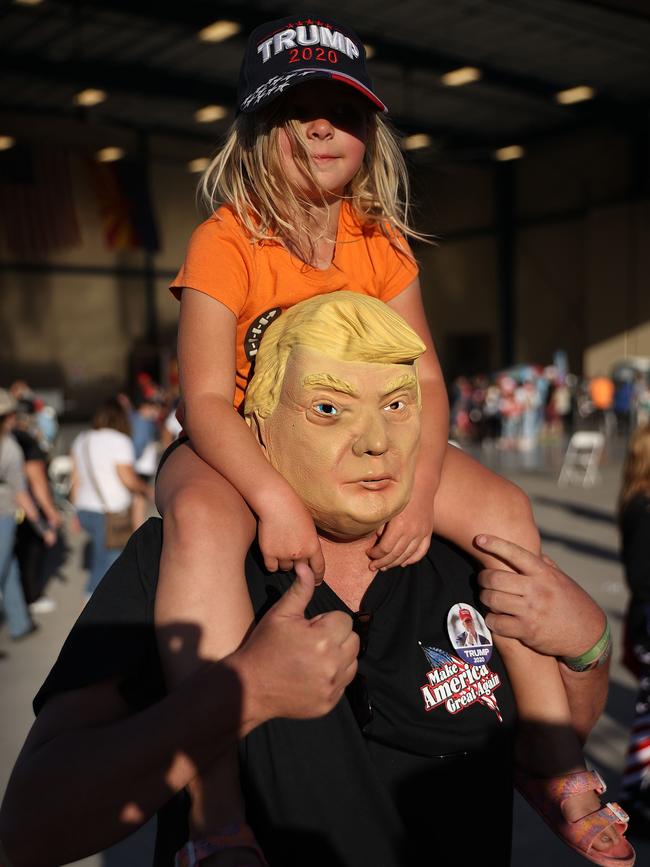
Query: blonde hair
x=247 y=174
x=636 y=469
x=343 y=325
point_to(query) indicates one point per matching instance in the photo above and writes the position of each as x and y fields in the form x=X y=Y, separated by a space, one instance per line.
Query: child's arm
x=207 y=352
x=406 y=538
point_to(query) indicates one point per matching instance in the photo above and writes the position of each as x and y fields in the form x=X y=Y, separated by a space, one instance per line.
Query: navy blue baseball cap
x=281 y=54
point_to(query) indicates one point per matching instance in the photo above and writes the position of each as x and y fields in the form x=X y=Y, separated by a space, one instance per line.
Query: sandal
x=237 y=835
x=547 y=796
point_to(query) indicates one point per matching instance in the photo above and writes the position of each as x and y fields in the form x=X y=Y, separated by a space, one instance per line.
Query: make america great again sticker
x=456 y=684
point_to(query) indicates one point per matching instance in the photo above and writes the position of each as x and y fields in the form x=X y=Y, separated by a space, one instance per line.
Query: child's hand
x=406 y=538
x=288 y=538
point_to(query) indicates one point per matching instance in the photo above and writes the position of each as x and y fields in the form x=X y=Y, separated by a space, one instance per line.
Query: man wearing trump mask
x=377 y=775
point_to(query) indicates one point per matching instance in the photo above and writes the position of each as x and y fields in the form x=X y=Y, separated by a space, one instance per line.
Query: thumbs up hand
x=294 y=667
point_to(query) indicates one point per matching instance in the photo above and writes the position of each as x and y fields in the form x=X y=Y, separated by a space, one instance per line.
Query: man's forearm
x=106 y=779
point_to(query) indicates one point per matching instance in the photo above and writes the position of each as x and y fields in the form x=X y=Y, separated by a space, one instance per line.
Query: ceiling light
x=110 y=154
x=6 y=142
x=209 y=113
x=90 y=97
x=370 y=51
x=219 y=31
x=512 y=152
x=463 y=75
x=417 y=141
x=575 y=94
x=200 y=164
x=27 y=2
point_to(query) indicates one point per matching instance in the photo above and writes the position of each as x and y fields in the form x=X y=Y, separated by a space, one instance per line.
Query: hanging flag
x=37 y=211
x=123 y=197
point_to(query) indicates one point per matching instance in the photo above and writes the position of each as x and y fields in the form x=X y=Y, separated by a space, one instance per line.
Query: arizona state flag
x=122 y=189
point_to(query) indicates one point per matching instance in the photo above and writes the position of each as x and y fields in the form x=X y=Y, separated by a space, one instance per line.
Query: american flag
x=491 y=702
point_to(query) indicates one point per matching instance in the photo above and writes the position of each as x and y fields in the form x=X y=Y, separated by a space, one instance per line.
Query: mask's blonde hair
x=343 y=325
x=636 y=470
x=247 y=174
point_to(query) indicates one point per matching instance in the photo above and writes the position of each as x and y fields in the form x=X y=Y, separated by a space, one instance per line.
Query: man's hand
x=537 y=603
x=294 y=667
x=49 y=537
x=406 y=538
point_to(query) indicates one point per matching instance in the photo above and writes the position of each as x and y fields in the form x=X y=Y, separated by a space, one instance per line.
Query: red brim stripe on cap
x=347 y=79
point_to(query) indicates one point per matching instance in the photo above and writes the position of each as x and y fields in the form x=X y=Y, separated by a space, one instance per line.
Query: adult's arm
x=91 y=764
x=132 y=481
x=39 y=486
x=545 y=609
x=27 y=504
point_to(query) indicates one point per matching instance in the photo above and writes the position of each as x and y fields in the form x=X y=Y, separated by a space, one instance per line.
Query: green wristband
x=594 y=656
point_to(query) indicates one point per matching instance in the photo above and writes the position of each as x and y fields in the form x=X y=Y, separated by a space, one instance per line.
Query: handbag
x=118 y=526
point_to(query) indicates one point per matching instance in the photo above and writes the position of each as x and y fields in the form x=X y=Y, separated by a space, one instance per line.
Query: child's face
x=334 y=122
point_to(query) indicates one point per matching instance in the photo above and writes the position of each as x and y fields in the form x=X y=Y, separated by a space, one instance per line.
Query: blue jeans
x=13 y=599
x=101 y=558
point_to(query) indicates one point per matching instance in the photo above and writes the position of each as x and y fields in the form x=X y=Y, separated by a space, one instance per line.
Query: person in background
x=634 y=517
x=104 y=480
x=170 y=430
x=642 y=402
x=601 y=392
x=144 y=415
x=31 y=549
x=623 y=399
x=13 y=497
x=44 y=423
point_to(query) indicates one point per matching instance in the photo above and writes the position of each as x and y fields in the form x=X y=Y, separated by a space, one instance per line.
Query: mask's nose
x=372 y=438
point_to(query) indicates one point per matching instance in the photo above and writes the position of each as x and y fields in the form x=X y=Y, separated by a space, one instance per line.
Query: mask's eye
x=395 y=406
x=325 y=409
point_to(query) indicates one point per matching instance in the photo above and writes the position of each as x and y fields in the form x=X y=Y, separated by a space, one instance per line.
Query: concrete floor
x=579 y=532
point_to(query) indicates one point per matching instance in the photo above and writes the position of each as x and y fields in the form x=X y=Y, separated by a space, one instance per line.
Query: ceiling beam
x=192 y=15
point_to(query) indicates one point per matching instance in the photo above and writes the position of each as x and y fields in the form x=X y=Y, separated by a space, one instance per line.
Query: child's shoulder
x=375 y=228
x=223 y=221
x=223 y=226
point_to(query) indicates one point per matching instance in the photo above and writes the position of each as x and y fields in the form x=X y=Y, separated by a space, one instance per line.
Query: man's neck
x=346 y=567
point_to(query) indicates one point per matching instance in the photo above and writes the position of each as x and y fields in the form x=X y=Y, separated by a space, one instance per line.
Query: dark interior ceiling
x=157 y=73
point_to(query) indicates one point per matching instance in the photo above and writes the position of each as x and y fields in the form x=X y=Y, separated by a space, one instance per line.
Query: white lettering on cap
x=284 y=40
x=316 y=36
x=303 y=39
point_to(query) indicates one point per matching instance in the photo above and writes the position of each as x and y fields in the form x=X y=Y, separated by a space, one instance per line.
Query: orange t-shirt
x=258 y=280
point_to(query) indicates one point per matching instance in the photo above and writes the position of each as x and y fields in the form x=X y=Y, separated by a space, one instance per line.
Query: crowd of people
x=520 y=408
x=110 y=473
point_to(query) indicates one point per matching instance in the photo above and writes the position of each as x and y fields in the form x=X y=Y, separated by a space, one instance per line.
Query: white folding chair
x=580 y=465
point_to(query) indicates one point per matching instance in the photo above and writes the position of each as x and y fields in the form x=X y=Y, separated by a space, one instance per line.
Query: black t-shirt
x=29 y=444
x=426 y=775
